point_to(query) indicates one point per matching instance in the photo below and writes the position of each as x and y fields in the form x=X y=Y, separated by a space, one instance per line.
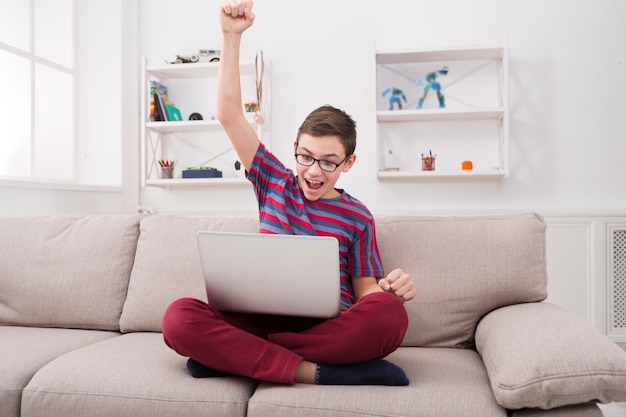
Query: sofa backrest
x=63 y=271
x=463 y=267
x=167 y=266
x=120 y=272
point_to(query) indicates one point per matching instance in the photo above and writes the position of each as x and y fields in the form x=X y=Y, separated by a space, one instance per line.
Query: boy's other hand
x=400 y=284
x=236 y=16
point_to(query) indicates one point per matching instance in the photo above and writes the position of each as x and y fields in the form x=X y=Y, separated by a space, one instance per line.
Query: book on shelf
x=158 y=92
x=173 y=113
x=152 y=116
x=159 y=115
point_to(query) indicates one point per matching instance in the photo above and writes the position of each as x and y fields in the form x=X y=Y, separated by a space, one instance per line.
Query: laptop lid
x=290 y=275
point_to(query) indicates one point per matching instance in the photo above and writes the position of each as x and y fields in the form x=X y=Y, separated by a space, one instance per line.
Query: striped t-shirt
x=283 y=209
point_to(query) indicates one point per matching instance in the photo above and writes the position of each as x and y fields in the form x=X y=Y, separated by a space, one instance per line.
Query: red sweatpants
x=270 y=348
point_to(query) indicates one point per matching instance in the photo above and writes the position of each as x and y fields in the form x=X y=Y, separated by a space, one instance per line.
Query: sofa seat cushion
x=24 y=350
x=444 y=382
x=167 y=266
x=134 y=375
x=538 y=355
x=64 y=271
x=463 y=267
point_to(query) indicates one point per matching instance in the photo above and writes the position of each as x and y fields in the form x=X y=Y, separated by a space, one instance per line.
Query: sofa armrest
x=539 y=355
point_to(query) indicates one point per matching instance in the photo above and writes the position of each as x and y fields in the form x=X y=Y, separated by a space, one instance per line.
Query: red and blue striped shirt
x=283 y=209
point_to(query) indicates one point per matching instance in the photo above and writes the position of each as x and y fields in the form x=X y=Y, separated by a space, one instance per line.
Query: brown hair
x=330 y=121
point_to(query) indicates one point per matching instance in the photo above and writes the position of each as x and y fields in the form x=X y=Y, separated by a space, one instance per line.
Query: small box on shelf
x=202 y=173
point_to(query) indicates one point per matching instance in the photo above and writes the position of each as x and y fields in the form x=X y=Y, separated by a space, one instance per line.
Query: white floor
x=613 y=410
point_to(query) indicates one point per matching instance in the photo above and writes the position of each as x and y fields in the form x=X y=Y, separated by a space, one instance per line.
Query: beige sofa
x=81 y=302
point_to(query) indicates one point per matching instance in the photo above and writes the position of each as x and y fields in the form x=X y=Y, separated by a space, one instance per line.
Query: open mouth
x=314 y=185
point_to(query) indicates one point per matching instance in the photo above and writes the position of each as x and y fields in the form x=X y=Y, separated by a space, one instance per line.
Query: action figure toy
x=431 y=82
x=396 y=97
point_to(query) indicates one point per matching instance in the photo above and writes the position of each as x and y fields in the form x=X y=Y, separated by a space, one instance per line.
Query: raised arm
x=235 y=17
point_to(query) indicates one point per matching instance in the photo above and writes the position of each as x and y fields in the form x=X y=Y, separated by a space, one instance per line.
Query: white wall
x=100 y=93
x=567 y=93
x=41 y=199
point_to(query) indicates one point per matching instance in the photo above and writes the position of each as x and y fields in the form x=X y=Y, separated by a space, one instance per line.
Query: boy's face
x=314 y=181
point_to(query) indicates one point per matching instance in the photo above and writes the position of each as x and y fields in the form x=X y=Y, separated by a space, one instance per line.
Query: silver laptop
x=290 y=275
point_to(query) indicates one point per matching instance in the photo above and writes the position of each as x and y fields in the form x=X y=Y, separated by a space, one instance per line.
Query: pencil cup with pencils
x=428 y=161
x=167 y=169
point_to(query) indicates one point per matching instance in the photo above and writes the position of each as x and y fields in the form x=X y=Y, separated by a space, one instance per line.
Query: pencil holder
x=428 y=163
x=166 y=173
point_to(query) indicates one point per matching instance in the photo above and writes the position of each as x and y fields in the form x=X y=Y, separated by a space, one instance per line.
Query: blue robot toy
x=396 y=97
x=430 y=81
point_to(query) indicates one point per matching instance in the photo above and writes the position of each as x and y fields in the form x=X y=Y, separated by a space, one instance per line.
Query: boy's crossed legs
x=346 y=350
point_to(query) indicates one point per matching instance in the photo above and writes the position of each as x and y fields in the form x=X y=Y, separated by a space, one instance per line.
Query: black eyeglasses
x=324 y=165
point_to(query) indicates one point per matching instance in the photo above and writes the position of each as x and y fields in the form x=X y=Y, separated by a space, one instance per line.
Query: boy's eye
x=327 y=165
x=306 y=158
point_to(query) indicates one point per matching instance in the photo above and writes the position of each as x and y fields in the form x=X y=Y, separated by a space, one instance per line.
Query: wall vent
x=618 y=281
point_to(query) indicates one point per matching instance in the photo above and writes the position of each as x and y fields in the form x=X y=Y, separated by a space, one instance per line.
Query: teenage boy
x=346 y=350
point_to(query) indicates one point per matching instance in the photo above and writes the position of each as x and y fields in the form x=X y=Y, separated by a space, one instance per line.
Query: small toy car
x=208 y=55
x=203 y=55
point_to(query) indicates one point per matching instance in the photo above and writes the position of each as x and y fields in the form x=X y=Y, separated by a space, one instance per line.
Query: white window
x=37 y=90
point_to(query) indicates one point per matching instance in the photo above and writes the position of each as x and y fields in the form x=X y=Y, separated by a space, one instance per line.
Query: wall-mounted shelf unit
x=473 y=125
x=193 y=143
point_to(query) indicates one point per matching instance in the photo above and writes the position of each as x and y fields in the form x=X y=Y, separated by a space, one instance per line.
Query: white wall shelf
x=197 y=181
x=187 y=126
x=192 y=143
x=439 y=114
x=473 y=125
x=196 y=70
x=439 y=174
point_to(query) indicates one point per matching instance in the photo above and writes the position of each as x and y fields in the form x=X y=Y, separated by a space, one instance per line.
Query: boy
x=344 y=350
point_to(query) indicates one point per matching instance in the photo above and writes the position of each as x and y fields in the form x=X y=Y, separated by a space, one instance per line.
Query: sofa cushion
x=539 y=355
x=132 y=375
x=62 y=271
x=444 y=382
x=167 y=266
x=463 y=267
x=24 y=350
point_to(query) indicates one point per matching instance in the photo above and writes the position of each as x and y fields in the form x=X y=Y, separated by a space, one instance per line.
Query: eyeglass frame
x=314 y=160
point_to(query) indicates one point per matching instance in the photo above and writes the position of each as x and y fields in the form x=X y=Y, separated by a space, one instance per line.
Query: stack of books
x=161 y=109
